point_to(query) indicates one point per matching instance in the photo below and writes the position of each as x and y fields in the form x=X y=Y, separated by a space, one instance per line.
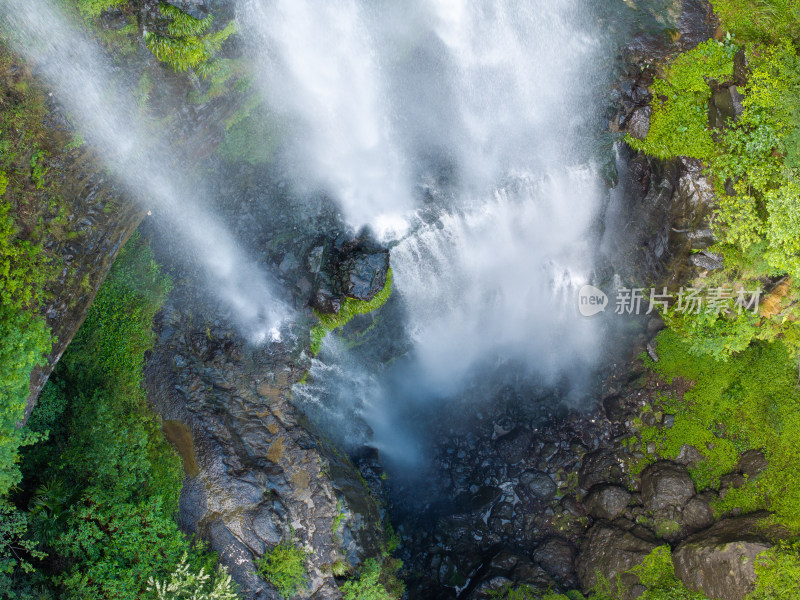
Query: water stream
x=467 y=136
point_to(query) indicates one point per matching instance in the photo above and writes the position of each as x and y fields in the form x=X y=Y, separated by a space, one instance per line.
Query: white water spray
x=83 y=81
x=492 y=104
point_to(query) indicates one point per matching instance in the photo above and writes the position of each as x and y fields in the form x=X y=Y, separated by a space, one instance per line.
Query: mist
x=83 y=82
x=465 y=135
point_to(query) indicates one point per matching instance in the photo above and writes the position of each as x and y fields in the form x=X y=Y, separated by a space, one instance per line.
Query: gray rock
x=557 y=557
x=639 y=122
x=366 y=274
x=697 y=514
x=720 y=560
x=707 y=260
x=611 y=552
x=666 y=484
x=607 y=501
x=539 y=485
x=752 y=463
x=514 y=446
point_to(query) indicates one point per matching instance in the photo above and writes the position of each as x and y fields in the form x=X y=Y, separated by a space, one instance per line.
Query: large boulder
x=600 y=466
x=720 y=560
x=666 y=485
x=364 y=273
x=606 y=501
x=557 y=557
x=612 y=552
x=537 y=485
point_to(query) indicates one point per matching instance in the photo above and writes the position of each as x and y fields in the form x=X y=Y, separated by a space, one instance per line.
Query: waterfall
x=464 y=133
x=83 y=81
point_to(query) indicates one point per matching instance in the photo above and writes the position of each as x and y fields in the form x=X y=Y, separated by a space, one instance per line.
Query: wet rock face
x=611 y=552
x=666 y=485
x=262 y=477
x=607 y=501
x=719 y=561
x=354 y=268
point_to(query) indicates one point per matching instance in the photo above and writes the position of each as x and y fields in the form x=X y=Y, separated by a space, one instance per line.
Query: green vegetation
x=101 y=492
x=376 y=581
x=741 y=366
x=25 y=268
x=679 y=119
x=93 y=8
x=766 y=21
x=284 y=566
x=749 y=401
x=186 y=43
x=350 y=308
x=183 y=584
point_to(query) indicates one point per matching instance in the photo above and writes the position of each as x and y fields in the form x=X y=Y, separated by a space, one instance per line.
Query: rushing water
x=84 y=82
x=465 y=134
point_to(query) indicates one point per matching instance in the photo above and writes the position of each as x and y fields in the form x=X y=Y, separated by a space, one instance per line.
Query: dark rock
x=607 y=501
x=720 y=560
x=539 y=485
x=725 y=106
x=639 y=123
x=600 y=466
x=611 y=552
x=697 y=514
x=365 y=274
x=514 y=446
x=707 y=260
x=752 y=464
x=614 y=407
x=666 y=484
x=557 y=557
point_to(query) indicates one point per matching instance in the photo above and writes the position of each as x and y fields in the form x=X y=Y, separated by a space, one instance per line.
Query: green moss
x=284 y=566
x=749 y=401
x=94 y=8
x=350 y=308
x=760 y=20
x=679 y=118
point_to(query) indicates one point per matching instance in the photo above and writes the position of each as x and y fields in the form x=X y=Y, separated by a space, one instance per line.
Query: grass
x=350 y=309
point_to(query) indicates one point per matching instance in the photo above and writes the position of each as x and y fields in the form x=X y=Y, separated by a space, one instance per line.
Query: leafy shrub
x=778 y=571
x=679 y=119
x=107 y=482
x=184 y=584
x=375 y=582
x=350 y=308
x=284 y=567
x=186 y=44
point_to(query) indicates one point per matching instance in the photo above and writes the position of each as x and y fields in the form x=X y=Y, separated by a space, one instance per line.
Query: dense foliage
x=186 y=42
x=679 y=118
x=103 y=490
x=284 y=566
x=741 y=365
